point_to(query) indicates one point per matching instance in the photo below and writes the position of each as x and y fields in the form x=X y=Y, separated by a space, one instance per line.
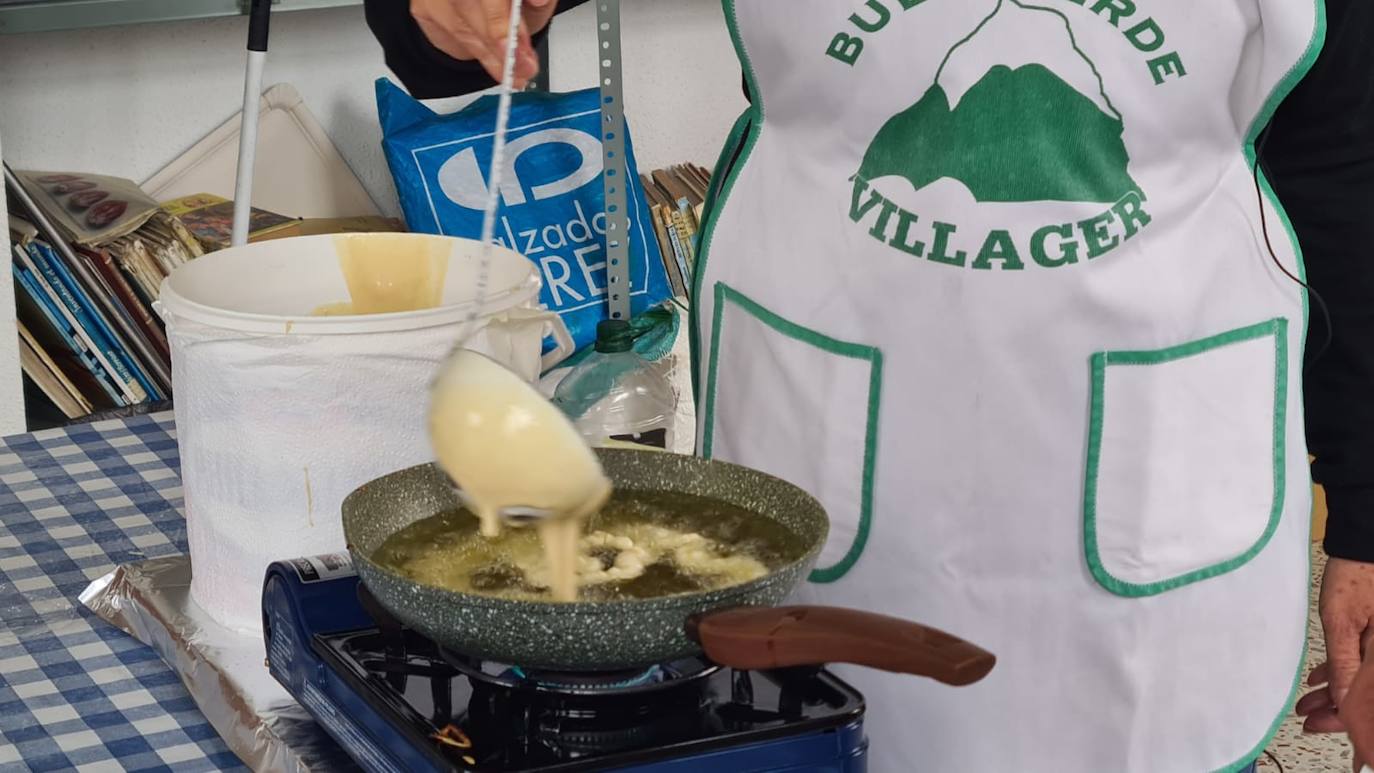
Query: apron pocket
x=1185 y=475
x=801 y=406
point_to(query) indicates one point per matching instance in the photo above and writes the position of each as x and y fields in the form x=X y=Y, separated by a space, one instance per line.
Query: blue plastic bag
x=552 y=203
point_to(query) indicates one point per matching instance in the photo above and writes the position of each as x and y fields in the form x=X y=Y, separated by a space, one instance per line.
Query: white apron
x=988 y=278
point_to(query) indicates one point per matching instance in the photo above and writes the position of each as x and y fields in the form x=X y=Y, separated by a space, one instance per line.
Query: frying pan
x=737 y=627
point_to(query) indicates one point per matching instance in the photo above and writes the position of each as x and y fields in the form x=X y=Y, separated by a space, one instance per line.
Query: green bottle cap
x=614 y=336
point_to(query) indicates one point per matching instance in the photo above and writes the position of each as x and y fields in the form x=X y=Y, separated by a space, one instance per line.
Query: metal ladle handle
x=497 y=170
x=516 y=516
x=520 y=516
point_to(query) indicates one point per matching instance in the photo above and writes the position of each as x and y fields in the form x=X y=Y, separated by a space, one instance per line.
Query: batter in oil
x=640 y=545
x=505 y=445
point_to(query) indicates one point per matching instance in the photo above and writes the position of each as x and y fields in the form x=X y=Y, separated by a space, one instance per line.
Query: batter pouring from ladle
x=513 y=455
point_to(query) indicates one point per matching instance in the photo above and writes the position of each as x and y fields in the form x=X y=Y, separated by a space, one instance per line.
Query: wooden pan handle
x=782 y=637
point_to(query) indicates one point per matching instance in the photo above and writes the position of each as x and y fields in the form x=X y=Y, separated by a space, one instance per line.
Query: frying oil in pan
x=641 y=545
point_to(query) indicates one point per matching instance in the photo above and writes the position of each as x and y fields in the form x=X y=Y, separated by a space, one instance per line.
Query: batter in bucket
x=388 y=272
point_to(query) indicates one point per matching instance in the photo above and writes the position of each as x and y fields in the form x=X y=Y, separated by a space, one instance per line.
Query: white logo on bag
x=462 y=181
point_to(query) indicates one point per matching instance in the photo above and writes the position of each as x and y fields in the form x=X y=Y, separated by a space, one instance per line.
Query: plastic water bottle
x=616 y=395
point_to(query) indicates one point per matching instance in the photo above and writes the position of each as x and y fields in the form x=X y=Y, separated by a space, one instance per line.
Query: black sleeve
x=1320 y=159
x=425 y=71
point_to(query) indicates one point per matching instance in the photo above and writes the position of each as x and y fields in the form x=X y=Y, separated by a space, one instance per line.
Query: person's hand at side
x=475 y=30
x=1344 y=696
x=1357 y=714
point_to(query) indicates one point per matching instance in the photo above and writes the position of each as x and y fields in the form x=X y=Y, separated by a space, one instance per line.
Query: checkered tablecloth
x=75 y=692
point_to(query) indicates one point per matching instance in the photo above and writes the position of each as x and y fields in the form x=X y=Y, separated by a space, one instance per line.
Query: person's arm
x=429 y=71
x=1320 y=159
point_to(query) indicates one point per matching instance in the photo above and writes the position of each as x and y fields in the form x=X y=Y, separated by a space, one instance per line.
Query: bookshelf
x=23 y=16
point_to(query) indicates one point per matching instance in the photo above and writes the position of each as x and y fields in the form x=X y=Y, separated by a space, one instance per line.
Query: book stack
x=146 y=256
x=89 y=256
x=88 y=338
x=676 y=197
x=210 y=219
x=90 y=253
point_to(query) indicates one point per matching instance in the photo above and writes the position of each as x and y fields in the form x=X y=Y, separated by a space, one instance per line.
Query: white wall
x=126 y=101
x=682 y=80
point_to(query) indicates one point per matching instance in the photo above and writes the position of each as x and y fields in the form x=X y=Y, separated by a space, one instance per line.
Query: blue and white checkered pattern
x=75 y=692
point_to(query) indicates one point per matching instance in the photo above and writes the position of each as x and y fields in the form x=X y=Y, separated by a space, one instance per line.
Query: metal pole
x=258 y=19
x=613 y=157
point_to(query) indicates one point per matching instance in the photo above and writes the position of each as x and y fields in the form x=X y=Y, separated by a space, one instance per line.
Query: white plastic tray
x=298 y=173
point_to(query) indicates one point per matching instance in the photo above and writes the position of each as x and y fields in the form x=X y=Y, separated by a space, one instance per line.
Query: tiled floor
x=1299 y=753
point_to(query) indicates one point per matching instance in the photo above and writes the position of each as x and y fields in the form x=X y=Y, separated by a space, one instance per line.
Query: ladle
x=512 y=453
x=516 y=516
x=517 y=396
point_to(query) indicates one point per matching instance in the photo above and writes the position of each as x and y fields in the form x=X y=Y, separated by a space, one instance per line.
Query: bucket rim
x=171 y=303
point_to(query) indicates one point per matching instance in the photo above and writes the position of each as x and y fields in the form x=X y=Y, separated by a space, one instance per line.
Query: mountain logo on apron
x=1013 y=157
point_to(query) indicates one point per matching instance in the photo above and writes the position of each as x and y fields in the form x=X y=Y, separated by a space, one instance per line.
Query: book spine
x=67 y=327
x=678 y=252
x=689 y=222
x=684 y=233
x=185 y=238
x=126 y=364
x=146 y=286
x=105 y=266
x=85 y=328
x=132 y=337
x=665 y=252
x=650 y=188
x=49 y=362
x=36 y=293
x=40 y=373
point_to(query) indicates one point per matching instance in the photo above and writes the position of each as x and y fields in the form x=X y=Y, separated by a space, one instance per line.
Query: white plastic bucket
x=281 y=414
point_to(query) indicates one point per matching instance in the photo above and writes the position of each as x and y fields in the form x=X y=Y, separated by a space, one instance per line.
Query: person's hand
x=476 y=30
x=1357 y=714
x=1347 y=613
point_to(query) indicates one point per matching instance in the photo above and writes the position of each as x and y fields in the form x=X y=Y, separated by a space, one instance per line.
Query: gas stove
x=396 y=701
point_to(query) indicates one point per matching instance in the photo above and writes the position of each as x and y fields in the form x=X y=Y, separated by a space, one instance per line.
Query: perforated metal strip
x=613 y=158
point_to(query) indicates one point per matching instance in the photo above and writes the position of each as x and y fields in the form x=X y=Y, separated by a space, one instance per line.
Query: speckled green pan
x=584 y=636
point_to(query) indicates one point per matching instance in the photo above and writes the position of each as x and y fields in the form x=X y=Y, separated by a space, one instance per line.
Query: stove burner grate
x=607 y=681
x=637 y=681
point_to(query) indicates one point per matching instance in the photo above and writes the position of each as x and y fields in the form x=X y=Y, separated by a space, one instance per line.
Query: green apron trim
x=1258 y=750
x=719 y=179
x=746 y=129
x=724 y=295
x=1280 y=93
x=1276 y=329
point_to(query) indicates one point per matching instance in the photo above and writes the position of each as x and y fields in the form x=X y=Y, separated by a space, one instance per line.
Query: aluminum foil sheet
x=225 y=671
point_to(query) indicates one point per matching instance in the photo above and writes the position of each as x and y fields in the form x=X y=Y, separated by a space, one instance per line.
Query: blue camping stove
x=395 y=701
